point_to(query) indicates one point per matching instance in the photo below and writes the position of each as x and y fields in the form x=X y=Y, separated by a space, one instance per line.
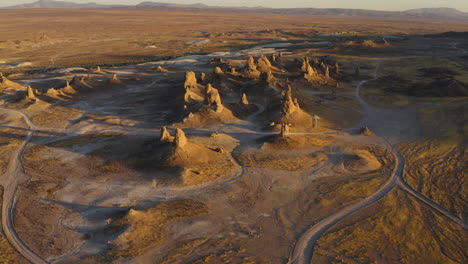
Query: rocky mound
x=250 y=70
x=244 y=99
x=360 y=160
x=211 y=112
x=7 y=84
x=193 y=93
x=161 y=69
x=116 y=80
x=291 y=113
x=379 y=43
x=319 y=72
x=264 y=64
x=197 y=164
x=68 y=89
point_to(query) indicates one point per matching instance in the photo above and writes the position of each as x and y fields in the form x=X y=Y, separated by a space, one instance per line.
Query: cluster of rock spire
x=179 y=140
x=289 y=105
x=317 y=69
x=210 y=97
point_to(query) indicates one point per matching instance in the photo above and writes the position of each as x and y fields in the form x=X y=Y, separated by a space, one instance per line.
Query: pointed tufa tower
x=251 y=69
x=68 y=88
x=273 y=57
x=180 y=139
x=165 y=136
x=161 y=69
x=213 y=98
x=284 y=130
x=268 y=78
x=289 y=105
x=310 y=74
x=218 y=71
x=203 y=77
x=190 y=80
x=327 y=71
x=263 y=63
x=244 y=99
x=30 y=92
x=305 y=65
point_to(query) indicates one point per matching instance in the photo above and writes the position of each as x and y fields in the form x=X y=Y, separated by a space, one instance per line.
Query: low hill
x=423 y=13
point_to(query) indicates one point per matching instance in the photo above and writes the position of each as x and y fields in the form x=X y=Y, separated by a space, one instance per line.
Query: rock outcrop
x=273 y=57
x=311 y=74
x=30 y=93
x=218 y=71
x=284 y=132
x=115 y=80
x=190 y=80
x=288 y=104
x=213 y=99
x=365 y=131
x=327 y=72
x=244 y=99
x=203 y=77
x=161 y=69
x=180 y=140
x=263 y=64
x=68 y=89
x=250 y=69
x=165 y=135
x=267 y=78
x=290 y=112
x=315 y=120
x=5 y=83
x=305 y=65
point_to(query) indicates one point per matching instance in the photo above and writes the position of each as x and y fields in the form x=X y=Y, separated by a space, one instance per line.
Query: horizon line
x=226 y=6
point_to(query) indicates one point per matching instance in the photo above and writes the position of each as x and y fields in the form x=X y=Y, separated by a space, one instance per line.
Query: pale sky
x=397 y=5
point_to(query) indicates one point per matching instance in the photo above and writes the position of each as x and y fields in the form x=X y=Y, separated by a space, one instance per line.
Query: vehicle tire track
x=11 y=179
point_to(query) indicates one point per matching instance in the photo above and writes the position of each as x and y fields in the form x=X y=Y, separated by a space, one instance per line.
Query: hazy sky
x=364 y=4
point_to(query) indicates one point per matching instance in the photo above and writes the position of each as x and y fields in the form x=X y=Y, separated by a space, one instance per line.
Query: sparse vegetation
x=270 y=142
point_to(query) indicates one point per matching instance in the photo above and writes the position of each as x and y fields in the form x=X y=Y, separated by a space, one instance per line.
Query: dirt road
x=13 y=177
x=303 y=248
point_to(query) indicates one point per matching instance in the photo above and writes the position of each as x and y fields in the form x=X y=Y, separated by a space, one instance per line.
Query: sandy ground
x=77 y=173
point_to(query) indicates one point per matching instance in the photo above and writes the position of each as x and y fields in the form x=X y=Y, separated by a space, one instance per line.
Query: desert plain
x=146 y=136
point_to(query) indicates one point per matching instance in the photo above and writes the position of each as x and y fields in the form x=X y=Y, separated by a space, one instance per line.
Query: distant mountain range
x=428 y=13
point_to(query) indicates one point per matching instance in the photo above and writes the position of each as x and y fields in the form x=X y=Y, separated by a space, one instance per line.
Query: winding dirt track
x=303 y=248
x=13 y=177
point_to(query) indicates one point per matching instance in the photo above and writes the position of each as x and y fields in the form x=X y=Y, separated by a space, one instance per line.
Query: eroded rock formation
x=288 y=104
x=190 y=80
x=305 y=65
x=268 y=78
x=213 y=99
x=244 y=99
x=30 y=93
x=115 y=80
x=180 y=139
x=203 y=77
x=250 y=69
x=263 y=64
x=161 y=69
x=165 y=135
x=284 y=132
x=218 y=71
